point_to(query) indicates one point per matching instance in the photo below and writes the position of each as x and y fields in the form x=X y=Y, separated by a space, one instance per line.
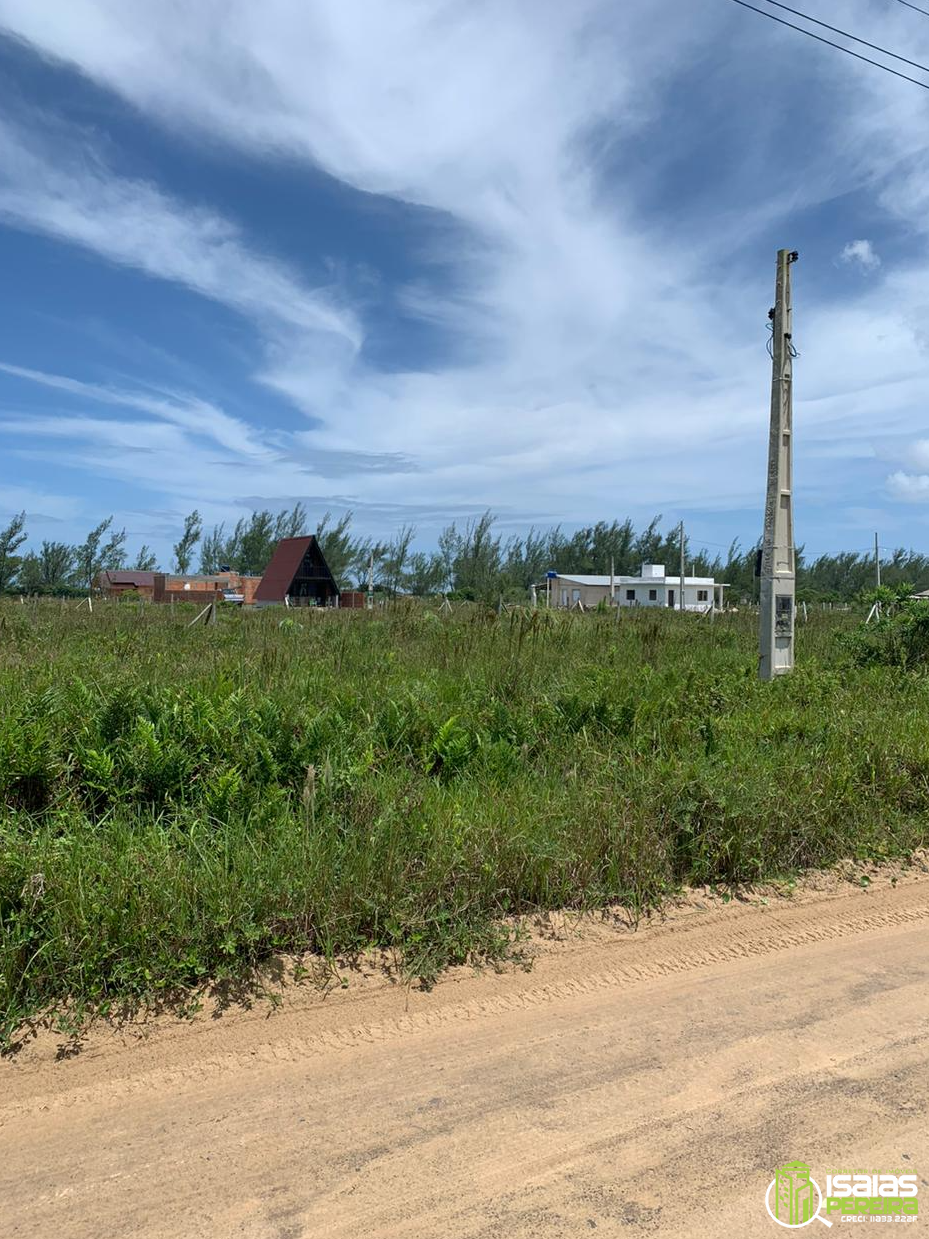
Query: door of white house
x=670 y=597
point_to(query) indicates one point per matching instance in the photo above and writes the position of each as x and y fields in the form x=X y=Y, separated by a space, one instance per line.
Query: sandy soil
x=632 y=1082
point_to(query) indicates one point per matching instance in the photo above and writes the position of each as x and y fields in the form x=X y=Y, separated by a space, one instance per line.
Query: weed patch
x=180 y=803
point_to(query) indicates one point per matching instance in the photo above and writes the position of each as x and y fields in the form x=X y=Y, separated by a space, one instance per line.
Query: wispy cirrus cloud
x=184 y=446
x=602 y=169
x=192 y=414
x=46 y=187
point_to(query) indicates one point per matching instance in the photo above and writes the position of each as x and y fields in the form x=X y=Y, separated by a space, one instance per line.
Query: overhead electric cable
x=914 y=7
x=838 y=46
x=854 y=37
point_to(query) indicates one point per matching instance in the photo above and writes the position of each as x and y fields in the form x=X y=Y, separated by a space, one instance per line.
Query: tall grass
x=177 y=803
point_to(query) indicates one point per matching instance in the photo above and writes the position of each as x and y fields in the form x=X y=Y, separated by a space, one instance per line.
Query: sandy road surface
x=641 y=1083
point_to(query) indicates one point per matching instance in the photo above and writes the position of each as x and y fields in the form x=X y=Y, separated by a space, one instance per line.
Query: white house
x=653 y=588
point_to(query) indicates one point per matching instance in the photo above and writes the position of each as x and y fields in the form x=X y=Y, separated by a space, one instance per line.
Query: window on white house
x=575 y=595
x=703 y=595
x=653 y=595
x=630 y=595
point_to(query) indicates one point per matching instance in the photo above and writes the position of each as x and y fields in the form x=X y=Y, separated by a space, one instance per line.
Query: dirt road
x=631 y=1083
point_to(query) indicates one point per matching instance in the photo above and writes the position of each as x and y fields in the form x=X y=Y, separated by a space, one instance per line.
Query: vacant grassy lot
x=177 y=803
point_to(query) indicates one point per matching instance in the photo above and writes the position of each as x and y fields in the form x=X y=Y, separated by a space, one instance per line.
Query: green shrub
x=178 y=802
x=896 y=633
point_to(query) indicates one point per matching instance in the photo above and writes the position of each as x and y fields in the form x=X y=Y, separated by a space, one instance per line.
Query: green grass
x=179 y=803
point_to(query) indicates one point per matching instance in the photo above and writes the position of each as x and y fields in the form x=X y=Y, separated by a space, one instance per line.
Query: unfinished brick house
x=172 y=586
x=125 y=581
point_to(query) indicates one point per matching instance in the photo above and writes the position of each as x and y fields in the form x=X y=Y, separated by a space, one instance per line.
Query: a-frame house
x=298 y=572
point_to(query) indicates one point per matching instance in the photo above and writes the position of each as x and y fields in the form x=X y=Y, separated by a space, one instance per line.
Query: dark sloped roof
x=128 y=576
x=284 y=566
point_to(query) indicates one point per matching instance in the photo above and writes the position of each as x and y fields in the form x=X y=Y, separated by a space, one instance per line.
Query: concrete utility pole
x=778 y=568
x=877 y=562
x=680 y=604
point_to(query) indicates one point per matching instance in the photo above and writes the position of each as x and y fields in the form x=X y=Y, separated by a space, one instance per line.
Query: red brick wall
x=168 y=587
x=200 y=596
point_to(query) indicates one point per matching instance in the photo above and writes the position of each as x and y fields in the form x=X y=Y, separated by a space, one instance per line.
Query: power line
x=915 y=8
x=838 y=46
x=844 y=33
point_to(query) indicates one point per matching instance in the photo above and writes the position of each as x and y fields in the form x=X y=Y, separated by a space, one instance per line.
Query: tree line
x=58 y=567
x=472 y=560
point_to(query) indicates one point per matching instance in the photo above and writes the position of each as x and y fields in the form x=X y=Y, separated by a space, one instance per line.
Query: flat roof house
x=652 y=588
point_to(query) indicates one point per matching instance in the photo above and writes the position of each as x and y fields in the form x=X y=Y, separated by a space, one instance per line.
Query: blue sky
x=421 y=259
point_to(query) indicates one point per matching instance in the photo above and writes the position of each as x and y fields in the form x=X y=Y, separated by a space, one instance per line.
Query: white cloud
x=46 y=188
x=197 y=416
x=613 y=361
x=184 y=447
x=917 y=454
x=42 y=507
x=861 y=254
x=426 y=107
x=910 y=487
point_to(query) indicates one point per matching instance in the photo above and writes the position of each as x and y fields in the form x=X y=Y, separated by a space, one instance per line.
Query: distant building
x=177 y=587
x=204 y=587
x=653 y=588
x=298 y=572
x=126 y=581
